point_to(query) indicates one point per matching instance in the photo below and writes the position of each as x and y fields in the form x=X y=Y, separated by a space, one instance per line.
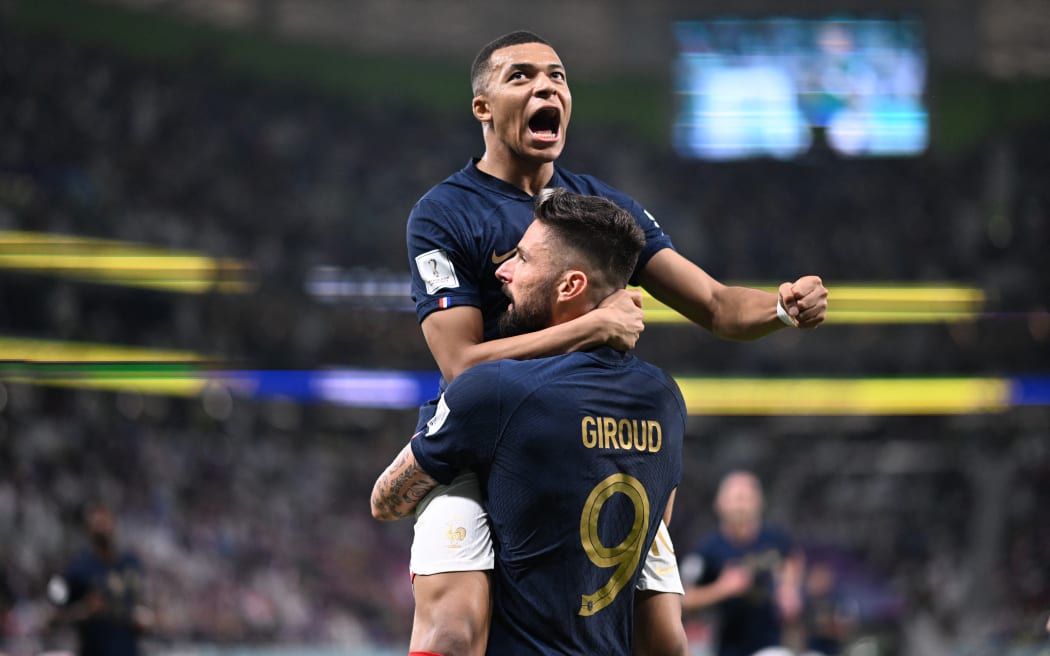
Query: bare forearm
x=730 y=312
x=580 y=333
x=456 y=335
x=400 y=488
x=745 y=314
x=733 y=312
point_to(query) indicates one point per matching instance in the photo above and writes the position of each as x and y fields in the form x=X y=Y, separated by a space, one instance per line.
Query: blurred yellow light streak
x=898 y=316
x=103 y=367
x=862 y=303
x=184 y=373
x=844 y=396
x=160 y=384
x=16 y=349
x=121 y=263
x=908 y=293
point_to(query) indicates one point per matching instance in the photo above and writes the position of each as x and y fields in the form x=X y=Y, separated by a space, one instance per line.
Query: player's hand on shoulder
x=622 y=319
x=805 y=300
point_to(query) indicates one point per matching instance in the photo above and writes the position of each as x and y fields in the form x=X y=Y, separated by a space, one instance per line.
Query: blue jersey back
x=751 y=621
x=461 y=231
x=577 y=456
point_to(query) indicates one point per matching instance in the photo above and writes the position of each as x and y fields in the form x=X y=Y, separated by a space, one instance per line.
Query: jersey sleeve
x=463 y=432
x=655 y=238
x=440 y=259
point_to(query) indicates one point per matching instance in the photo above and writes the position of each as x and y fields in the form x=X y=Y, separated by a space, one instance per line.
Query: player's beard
x=530 y=313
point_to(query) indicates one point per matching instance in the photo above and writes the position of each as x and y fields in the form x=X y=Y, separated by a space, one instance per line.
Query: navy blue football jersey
x=119 y=583
x=577 y=456
x=751 y=621
x=464 y=228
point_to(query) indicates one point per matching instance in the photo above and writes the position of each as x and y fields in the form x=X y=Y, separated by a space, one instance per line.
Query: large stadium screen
x=766 y=87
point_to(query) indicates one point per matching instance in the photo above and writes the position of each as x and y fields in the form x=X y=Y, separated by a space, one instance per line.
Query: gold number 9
x=624 y=556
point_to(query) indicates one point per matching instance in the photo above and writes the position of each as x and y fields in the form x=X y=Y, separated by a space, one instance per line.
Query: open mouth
x=545 y=124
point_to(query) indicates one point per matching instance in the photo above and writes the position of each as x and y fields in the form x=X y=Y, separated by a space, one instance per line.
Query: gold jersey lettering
x=626 y=434
x=640 y=433
x=656 y=436
x=589 y=428
x=609 y=424
x=621 y=434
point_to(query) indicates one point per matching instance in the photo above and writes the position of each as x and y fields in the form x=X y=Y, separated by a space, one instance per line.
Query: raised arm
x=455 y=336
x=738 y=313
x=401 y=487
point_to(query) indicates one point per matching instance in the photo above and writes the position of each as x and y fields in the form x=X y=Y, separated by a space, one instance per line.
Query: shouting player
x=464 y=228
x=578 y=455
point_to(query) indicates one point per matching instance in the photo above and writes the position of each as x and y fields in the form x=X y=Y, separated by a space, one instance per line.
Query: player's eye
x=517 y=75
x=558 y=75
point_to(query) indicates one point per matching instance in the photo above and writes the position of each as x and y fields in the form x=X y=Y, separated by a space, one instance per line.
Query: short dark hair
x=596 y=228
x=482 y=65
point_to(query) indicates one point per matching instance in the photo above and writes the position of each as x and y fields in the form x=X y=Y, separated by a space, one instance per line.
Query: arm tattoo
x=401 y=487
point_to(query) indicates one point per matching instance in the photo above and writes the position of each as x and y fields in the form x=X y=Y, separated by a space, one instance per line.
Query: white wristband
x=783 y=315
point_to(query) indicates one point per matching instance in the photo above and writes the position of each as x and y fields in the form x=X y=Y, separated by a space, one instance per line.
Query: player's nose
x=545 y=86
x=505 y=271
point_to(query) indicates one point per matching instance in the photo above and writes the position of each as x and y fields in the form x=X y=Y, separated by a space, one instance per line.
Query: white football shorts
x=660 y=573
x=452 y=530
x=452 y=535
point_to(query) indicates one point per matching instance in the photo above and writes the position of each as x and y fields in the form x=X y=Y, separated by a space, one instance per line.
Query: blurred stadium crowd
x=252 y=517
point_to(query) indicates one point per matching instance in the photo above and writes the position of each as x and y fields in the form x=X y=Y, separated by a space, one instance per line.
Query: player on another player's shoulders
x=460 y=231
x=578 y=455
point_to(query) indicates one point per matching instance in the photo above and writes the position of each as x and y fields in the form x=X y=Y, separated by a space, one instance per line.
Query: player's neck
x=566 y=311
x=528 y=175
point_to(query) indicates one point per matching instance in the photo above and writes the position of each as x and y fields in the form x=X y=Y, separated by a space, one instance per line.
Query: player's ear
x=572 y=285
x=482 y=110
